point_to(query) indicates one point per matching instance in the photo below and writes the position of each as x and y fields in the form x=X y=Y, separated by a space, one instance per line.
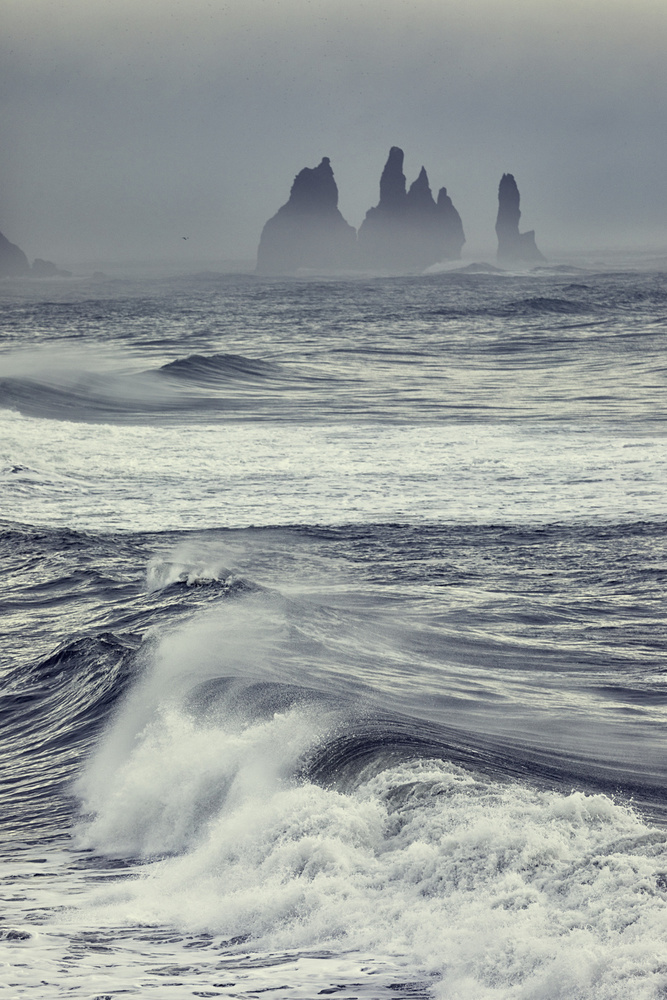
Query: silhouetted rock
x=513 y=246
x=407 y=230
x=392 y=182
x=451 y=225
x=47 y=269
x=13 y=262
x=308 y=231
x=419 y=197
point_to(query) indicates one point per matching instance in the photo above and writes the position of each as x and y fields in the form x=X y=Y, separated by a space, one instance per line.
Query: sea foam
x=499 y=890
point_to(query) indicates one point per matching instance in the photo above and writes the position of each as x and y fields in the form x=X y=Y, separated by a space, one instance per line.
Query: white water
x=106 y=477
x=486 y=890
x=501 y=891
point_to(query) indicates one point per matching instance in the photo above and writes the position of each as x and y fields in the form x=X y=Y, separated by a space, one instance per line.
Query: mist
x=129 y=126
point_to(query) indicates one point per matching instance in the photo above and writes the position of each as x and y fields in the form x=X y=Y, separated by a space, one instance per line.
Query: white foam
x=152 y=728
x=501 y=891
x=107 y=477
x=189 y=563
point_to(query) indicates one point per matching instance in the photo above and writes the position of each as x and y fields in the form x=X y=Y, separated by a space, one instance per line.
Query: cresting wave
x=501 y=890
x=36 y=384
x=204 y=370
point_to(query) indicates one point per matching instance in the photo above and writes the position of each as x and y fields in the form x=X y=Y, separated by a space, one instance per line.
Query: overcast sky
x=128 y=124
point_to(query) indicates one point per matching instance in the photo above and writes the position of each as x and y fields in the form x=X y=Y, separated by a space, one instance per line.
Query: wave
x=196 y=385
x=244 y=771
x=189 y=566
x=89 y=396
x=240 y=661
x=259 y=822
x=532 y=306
x=594 y=298
x=446 y=681
x=217 y=368
x=50 y=715
x=546 y=304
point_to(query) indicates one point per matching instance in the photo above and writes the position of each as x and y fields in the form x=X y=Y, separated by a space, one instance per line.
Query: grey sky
x=129 y=124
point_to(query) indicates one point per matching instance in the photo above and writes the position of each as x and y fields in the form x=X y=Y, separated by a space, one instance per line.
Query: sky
x=128 y=124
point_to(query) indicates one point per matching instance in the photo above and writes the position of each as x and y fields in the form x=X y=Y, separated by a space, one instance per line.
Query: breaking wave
x=498 y=888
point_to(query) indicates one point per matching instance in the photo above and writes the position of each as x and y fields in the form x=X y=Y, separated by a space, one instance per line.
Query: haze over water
x=129 y=126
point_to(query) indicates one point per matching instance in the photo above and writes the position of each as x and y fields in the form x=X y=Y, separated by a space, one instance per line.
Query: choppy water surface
x=334 y=636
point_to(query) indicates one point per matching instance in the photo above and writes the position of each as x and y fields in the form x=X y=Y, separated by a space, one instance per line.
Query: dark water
x=334 y=636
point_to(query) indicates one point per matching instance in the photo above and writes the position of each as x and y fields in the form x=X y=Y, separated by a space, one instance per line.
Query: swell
x=194 y=385
x=90 y=397
x=217 y=369
x=50 y=717
x=402 y=661
x=364 y=747
x=62 y=583
x=549 y=293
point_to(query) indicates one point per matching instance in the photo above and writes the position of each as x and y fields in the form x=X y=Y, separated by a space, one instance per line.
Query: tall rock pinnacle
x=513 y=246
x=451 y=225
x=392 y=182
x=407 y=230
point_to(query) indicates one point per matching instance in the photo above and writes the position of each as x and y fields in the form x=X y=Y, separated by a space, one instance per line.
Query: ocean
x=333 y=618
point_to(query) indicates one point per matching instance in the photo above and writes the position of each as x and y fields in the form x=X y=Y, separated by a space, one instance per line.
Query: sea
x=334 y=634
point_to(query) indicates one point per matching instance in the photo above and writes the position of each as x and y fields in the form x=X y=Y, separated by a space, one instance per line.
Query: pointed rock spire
x=392 y=182
x=419 y=197
x=407 y=230
x=452 y=226
x=513 y=246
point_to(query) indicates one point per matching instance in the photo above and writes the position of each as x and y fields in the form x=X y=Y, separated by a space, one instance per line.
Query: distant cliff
x=513 y=246
x=309 y=230
x=13 y=262
x=408 y=230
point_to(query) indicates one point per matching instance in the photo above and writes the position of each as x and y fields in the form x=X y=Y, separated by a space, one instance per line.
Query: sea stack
x=452 y=227
x=13 y=262
x=309 y=230
x=407 y=229
x=513 y=246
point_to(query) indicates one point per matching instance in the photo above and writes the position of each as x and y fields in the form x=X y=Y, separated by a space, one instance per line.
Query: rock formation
x=452 y=226
x=408 y=230
x=513 y=246
x=309 y=230
x=13 y=262
x=47 y=269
